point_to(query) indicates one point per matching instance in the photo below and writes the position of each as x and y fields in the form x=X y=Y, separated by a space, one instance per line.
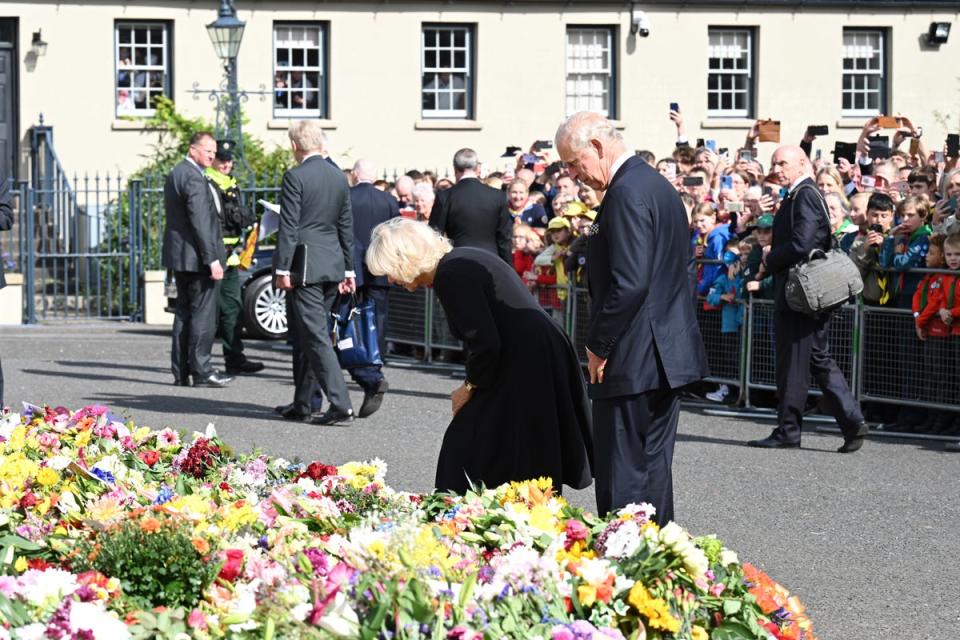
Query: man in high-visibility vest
x=234 y=219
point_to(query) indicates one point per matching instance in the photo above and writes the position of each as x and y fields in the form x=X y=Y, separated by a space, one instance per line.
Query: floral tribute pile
x=109 y=530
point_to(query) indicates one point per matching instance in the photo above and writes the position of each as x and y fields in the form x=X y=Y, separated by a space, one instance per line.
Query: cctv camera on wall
x=639 y=23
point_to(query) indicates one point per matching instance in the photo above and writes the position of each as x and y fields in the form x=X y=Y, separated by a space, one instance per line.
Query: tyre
x=265 y=309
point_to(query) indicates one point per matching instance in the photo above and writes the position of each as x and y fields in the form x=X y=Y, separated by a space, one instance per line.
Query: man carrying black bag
x=801 y=225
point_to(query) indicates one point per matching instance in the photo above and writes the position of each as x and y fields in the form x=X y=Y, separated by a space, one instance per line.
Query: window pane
x=283 y=57
x=429 y=101
x=430 y=38
x=123 y=35
x=713 y=101
x=460 y=38
x=297 y=58
x=459 y=81
x=460 y=59
x=460 y=100
x=443 y=101
x=156 y=35
x=139 y=56
x=140 y=36
x=848 y=101
x=313 y=57
x=444 y=38
x=430 y=59
x=445 y=59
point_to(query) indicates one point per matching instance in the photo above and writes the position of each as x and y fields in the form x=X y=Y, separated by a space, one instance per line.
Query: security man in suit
x=801 y=225
x=6 y=223
x=370 y=207
x=235 y=218
x=313 y=262
x=472 y=214
x=643 y=343
x=193 y=249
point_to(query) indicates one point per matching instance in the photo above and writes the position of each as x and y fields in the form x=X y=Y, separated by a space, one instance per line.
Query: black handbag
x=825 y=279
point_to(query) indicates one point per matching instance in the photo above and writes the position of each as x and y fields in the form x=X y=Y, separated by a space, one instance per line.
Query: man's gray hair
x=465 y=160
x=307 y=135
x=365 y=170
x=580 y=128
x=423 y=190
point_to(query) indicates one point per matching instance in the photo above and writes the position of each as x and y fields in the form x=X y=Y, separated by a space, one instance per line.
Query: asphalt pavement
x=869 y=541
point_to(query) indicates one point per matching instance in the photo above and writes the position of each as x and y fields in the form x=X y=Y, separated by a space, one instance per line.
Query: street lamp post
x=226 y=33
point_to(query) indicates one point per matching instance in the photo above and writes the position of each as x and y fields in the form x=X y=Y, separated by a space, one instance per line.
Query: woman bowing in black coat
x=522 y=412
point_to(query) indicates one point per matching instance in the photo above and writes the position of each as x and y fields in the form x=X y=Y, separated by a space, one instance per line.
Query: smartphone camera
x=674 y=106
x=876 y=228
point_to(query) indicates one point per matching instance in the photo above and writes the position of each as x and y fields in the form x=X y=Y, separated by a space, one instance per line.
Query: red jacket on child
x=927 y=301
x=950 y=299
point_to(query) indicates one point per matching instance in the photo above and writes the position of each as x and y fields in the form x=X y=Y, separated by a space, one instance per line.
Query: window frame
x=750 y=73
x=883 y=73
x=613 y=41
x=469 y=70
x=322 y=110
x=166 y=67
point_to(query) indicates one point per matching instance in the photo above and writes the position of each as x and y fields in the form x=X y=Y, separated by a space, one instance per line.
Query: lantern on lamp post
x=226 y=33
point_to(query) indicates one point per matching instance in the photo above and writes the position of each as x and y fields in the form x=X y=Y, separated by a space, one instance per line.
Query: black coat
x=641 y=319
x=6 y=219
x=810 y=230
x=472 y=214
x=529 y=416
x=370 y=207
x=315 y=211
x=192 y=239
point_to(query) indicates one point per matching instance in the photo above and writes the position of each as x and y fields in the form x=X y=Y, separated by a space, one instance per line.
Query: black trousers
x=802 y=350
x=1 y=384
x=633 y=439
x=194 y=324
x=314 y=360
x=230 y=305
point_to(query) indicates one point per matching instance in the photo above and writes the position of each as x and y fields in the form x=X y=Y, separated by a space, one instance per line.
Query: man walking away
x=316 y=228
x=6 y=223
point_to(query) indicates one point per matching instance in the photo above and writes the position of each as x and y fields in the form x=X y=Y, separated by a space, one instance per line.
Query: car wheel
x=265 y=309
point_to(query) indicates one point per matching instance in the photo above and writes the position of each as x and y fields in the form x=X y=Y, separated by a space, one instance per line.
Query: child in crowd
x=949 y=313
x=934 y=334
x=725 y=293
x=551 y=275
x=708 y=242
x=526 y=246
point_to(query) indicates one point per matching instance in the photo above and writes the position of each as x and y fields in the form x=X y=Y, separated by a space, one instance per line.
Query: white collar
x=797 y=182
x=194 y=163
x=310 y=155
x=619 y=163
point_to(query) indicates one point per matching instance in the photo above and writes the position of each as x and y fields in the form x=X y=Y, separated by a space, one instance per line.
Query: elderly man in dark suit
x=6 y=223
x=370 y=207
x=313 y=261
x=643 y=343
x=193 y=249
x=471 y=213
x=801 y=225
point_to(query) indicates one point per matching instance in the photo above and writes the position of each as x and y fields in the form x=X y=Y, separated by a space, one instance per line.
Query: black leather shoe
x=372 y=399
x=771 y=442
x=290 y=412
x=855 y=441
x=245 y=367
x=212 y=379
x=331 y=416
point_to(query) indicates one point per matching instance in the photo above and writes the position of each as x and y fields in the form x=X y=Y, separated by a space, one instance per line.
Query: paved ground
x=869 y=541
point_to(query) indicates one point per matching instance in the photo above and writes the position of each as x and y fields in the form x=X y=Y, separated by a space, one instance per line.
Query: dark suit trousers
x=1 y=384
x=369 y=377
x=633 y=439
x=194 y=324
x=314 y=358
x=802 y=350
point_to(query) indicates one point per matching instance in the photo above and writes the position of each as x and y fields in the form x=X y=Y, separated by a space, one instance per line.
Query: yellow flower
x=48 y=477
x=587 y=594
x=82 y=439
x=699 y=633
x=655 y=610
x=142 y=434
x=20 y=565
x=238 y=514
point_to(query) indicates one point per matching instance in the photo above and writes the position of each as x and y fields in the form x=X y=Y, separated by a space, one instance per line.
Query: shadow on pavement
x=183 y=404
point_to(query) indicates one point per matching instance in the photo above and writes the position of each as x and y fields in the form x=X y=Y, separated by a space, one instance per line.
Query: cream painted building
x=407 y=83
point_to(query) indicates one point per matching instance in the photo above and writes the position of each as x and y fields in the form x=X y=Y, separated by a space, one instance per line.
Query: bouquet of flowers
x=110 y=530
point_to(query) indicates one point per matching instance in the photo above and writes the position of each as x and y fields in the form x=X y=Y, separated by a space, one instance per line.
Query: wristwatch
x=469 y=385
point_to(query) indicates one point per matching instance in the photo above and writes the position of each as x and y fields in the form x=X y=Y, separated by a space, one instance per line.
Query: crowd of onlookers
x=892 y=206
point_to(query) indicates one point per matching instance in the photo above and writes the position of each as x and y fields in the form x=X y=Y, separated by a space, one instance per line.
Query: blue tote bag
x=353 y=330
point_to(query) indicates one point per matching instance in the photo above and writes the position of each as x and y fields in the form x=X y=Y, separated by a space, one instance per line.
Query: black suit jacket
x=315 y=211
x=192 y=238
x=472 y=214
x=6 y=218
x=642 y=318
x=804 y=209
x=370 y=207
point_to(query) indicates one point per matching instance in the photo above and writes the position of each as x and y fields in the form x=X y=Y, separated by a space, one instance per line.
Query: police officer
x=234 y=219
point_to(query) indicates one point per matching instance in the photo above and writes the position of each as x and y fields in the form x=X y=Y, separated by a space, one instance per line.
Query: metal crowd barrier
x=876 y=348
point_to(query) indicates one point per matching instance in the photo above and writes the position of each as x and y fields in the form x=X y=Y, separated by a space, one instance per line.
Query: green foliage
x=170 y=624
x=157 y=567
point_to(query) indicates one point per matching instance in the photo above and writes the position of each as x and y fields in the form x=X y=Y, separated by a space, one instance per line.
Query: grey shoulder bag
x=826 y=279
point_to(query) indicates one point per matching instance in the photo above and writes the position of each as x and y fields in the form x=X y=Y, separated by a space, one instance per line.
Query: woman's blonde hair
x=403 y=249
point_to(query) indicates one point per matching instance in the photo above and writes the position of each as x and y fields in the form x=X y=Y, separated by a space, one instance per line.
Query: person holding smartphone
x=944 y=218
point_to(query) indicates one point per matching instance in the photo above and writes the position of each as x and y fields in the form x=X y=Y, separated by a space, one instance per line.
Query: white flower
x=728 y=557
x=35 y=631
x=87 y=615
x=673 y=536
x=633 y=509
x=112 y=464
x=210 y=431
x=58 y=463
x=42 y=588
x=623 y=542
x=340 y=619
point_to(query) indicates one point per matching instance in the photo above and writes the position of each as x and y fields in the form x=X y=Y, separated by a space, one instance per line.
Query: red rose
x=28 y=500
x=232 y=565
x=318 y=470
x=149 y=458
